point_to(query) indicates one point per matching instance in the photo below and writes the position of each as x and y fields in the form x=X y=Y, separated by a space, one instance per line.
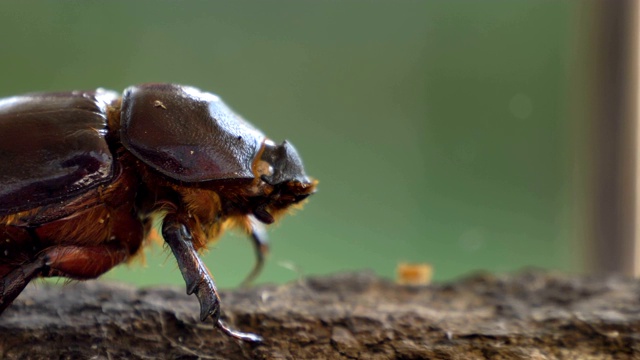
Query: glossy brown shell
x=52 y=147
x=186 y=134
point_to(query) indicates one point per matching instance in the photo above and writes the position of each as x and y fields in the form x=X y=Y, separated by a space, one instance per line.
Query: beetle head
x=285 y=162
x=286 y=176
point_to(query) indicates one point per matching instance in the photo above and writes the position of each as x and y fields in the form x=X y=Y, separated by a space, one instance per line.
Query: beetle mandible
x=84 y=174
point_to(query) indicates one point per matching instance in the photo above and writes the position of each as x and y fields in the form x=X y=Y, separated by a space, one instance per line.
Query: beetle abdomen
x=52 y=147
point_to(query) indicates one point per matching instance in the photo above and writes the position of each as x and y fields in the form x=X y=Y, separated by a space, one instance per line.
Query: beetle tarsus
x=247 y=337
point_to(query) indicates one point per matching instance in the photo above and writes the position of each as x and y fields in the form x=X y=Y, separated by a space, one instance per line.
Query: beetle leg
x=260 y=241
x=82 y=262
x=75 y=262
x=196 y=275
x=13 y=282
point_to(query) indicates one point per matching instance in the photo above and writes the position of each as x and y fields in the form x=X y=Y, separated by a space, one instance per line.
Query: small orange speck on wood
x=414 y=274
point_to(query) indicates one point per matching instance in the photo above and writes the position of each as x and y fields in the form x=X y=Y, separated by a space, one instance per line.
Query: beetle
x=84 y=175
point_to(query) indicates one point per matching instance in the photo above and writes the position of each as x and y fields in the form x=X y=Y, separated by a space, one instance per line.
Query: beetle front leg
x=196 y=275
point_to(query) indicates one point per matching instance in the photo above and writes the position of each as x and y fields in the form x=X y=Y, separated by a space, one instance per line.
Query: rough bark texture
x=531 y=315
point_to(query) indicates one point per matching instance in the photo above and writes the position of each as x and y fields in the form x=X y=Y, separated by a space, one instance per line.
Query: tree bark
x=531 y=315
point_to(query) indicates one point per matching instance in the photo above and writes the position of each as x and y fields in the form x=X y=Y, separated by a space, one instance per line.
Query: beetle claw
x=209 y=302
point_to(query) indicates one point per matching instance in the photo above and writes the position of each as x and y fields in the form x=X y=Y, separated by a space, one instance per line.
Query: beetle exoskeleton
x=84 y=174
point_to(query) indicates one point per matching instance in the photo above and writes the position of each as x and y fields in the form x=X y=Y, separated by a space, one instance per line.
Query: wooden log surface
x=529 y=315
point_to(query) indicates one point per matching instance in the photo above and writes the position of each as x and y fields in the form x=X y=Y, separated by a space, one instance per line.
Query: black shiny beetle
x=84 y=174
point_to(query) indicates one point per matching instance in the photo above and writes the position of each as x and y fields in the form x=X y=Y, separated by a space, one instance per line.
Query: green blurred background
x=440 y=131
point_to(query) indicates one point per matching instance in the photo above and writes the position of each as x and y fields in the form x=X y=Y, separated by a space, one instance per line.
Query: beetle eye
x=263 y=169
